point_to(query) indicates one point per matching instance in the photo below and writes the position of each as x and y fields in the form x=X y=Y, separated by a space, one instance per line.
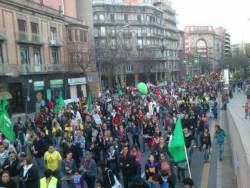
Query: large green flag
x=177 y=143
x=90 y=100
x=59 y=104
x=118 y=87
x=5 y=124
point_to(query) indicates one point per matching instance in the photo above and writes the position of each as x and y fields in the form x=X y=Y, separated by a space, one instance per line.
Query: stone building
x=135 y=41
x=44 y=52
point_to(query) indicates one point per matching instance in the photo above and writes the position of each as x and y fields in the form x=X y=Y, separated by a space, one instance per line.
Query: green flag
x=90 y=100
x=177 y=143
x=118 y=86
x=5 y=124
x=59 y=104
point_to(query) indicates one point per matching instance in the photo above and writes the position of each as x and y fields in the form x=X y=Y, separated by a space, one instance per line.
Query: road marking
x=218 y=179
x=206 y=166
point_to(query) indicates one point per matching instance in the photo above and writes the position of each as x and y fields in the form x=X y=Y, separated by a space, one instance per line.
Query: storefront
x=56 y=89
x=77 y=87
x=40 y=95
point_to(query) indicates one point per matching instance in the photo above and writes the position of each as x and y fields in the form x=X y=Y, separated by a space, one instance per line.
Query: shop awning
x=5 y=93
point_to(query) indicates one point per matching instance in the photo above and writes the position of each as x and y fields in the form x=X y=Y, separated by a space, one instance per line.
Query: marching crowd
x=105 y=146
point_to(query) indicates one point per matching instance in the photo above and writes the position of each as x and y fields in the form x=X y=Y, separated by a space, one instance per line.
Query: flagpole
x=189 y=171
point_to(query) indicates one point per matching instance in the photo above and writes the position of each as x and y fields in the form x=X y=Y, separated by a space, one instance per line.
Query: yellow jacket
x=52 y=183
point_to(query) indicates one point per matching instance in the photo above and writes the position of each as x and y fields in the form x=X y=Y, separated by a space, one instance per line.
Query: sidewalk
x=239 y=129
x=222 y=173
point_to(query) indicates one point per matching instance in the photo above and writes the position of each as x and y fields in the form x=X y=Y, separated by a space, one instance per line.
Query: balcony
x=113 y=46
x=127 y=34
x=169 y=18
x=25 y=69
x=127 y=46
x=139 y=46
x=139 y=34
x=29 y=38
x=55 y=42
x=155 y=46
x=3 y=35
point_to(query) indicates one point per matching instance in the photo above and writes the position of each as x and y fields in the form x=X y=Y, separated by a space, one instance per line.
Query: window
x=81 y=35
x=55 y=56
x=85 y=36
x=96 y=32
x=139 y=31
x=95 y=17
x=128 y=68
x=24 y=53
x=53 y=34
x=70 y=35
x=112 y=17
x=126 y=17
x=37 y=56
x=127 y=43
x=113 y=43
x=113 y=31
x=139 y=43
x=22 y=25
x=1 y=55
x=148 y=31
x=34 y=28
x=139 y=18
x=102 y=42
x=103 y=31
x=76 y=36
x=101 y=17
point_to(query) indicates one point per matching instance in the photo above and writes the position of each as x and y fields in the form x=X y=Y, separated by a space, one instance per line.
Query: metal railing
x=26 y=37
x=55 y=41
x=127 y=34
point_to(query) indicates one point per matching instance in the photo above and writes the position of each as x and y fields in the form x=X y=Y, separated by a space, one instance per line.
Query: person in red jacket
x=51 y=105
x=117 y=119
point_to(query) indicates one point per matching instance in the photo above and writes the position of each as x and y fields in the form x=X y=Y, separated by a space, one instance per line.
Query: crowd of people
x=107 y=146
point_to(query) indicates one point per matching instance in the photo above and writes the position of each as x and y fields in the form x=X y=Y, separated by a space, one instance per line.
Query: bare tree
x=112 y=57
x=81 y=57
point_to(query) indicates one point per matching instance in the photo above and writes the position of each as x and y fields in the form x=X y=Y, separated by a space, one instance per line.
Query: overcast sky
x=230 y=14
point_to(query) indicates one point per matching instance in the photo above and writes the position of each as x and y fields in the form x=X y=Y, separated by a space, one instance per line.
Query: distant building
x=43 y=49
x=207 y=44
x=226 y=42
x=135 y=41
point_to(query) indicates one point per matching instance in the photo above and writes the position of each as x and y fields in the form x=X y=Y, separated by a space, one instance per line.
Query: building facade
x=135 y=41
x=181 y=54
x=204 y=49
x=43 y=52
x=225 y=41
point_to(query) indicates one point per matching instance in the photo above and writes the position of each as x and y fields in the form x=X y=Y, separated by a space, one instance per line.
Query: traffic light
x=185 y=60
x=197 y=59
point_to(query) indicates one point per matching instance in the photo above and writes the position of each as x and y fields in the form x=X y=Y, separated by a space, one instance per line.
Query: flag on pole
x=118 y=86
x=59 y=104
x=177 y=143
x=90 y=100
x=5 y=124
